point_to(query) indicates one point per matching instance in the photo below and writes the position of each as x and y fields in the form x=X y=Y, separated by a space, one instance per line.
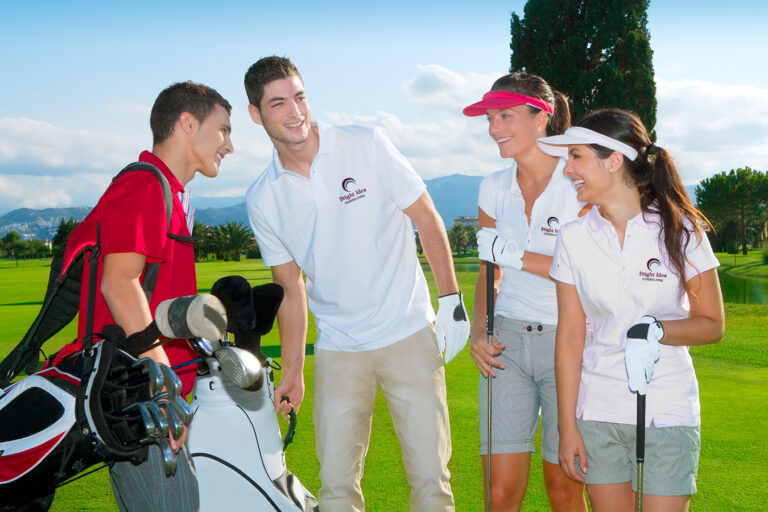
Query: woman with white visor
x=639 y=268
x=520 y=211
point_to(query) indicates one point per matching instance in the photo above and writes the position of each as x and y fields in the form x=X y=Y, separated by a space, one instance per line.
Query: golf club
x=169 y=458
x=640 y=450
x=149 y=424
x=174 y=420
x=159 y=417
x=153 y=371
x=172 y=382
x=242 y=368
x=192 y=316
x=489 y=298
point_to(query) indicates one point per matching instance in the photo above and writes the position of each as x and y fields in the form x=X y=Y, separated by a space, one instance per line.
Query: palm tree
x=237 y=238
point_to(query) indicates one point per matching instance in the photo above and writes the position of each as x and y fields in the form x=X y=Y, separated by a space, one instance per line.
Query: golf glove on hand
x=451 y=325
x=492 y=247
x=642 y=352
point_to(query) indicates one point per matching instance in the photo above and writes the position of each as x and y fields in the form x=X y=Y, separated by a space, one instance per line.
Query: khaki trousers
x=411 y=375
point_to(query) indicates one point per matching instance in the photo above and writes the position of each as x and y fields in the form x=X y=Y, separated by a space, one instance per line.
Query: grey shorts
x=525 y=386
x=671 y=456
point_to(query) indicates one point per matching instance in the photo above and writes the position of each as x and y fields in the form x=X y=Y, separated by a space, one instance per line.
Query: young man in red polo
x=191 y=133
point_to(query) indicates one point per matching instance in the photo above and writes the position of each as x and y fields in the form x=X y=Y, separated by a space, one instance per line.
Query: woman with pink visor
x=639 y=268
x=520 y=211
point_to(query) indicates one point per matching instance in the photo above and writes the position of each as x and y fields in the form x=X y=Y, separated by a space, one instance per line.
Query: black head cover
x=235 y=293
x=266 y=302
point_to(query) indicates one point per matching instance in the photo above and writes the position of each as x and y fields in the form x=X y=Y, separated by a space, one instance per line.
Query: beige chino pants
x=411 y=375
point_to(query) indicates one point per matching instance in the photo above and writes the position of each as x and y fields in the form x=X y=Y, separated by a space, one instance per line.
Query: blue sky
x=77 y=80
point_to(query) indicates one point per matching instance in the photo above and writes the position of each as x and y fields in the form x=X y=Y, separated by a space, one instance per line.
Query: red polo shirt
x=131 y=216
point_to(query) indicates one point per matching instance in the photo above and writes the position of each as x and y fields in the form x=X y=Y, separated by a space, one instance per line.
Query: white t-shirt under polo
x=523 y=295
x=345 y=228
x=616 y=287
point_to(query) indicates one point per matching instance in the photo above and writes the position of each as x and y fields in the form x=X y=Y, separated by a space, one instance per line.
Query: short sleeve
x=699 y=256
x=132 y=217
x=486 y=199
x=561 y=269
x=404 y=184
x=273 y=252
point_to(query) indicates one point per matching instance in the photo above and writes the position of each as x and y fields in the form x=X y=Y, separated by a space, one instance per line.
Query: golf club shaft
x=489 y=300
x=640 y=450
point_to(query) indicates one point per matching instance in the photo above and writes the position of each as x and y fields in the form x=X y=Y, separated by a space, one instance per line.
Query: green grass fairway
x=733 y=378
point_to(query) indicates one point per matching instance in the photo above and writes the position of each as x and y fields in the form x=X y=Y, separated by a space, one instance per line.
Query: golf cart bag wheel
x=237 y=450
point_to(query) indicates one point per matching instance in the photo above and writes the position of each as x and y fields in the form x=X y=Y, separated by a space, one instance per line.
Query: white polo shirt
x=616 y=287
x=523 y=295
x=345 y=228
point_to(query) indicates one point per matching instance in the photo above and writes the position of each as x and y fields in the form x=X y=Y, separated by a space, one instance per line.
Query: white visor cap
x=557 y=145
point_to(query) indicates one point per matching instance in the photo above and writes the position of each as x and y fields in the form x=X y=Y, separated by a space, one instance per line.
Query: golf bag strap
x=93 y=261
x=167 y=196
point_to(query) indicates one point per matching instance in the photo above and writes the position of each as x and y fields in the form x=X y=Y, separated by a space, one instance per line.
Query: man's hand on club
x=451 y=325
x=291 y=386
x=493 y=247
x=642 y=352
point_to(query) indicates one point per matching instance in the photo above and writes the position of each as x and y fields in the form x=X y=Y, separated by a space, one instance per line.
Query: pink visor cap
x=504 y=99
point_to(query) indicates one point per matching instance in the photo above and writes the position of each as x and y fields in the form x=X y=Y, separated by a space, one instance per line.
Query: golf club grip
x=640 y=446
x=489 y=295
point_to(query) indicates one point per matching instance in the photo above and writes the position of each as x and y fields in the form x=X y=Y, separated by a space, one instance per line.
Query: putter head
x=240 y=367
x=152 y=369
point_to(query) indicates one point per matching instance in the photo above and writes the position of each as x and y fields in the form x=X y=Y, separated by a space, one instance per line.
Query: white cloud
x=710 y=127
x=707 y=127
x=439 y=88
x=36 y=147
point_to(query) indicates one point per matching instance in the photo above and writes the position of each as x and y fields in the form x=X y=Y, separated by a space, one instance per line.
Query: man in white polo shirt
x=337 y=203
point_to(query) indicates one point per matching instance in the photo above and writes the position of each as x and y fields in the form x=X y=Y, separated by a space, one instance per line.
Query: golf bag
x=235 y=438
x=80 y=409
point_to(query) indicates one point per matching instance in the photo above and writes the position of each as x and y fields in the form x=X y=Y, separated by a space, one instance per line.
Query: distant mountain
x=454 y=196
x=41 y=224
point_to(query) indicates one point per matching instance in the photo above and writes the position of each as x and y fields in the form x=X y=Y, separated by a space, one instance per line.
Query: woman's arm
x=569 y=348
x=706 y=322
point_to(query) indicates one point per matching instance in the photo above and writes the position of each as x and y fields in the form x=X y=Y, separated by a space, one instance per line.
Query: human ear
x=255 y=113
x=187 y=122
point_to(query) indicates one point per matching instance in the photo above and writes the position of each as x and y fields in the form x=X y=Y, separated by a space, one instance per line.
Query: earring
x=610 y=170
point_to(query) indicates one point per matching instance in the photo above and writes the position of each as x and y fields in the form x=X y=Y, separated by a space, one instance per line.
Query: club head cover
x=192 y=316
x=266 y=301
x=235 y=293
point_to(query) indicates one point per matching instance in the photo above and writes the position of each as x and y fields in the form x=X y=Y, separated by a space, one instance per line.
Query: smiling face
x=284 y=112
x=591 y=175
x=515 y=129
x=211 y=142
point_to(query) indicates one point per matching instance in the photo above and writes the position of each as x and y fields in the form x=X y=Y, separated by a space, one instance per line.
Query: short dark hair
x=264 y=71
x=197 y=99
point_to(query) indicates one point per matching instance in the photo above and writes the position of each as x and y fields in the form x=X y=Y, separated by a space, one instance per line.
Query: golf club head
x=150 y=428
x=172 y=381
x=152 y=369
x=240 y=367
x=183 y=410
x=175 y=425
x=169 y=458
x=204 y=347
x=159 y=417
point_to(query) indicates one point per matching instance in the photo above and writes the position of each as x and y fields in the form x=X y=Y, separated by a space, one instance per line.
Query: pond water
x=739 y=290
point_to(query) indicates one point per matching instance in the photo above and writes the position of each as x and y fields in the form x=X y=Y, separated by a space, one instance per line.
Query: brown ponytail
x=535 y=86
x=655 y=175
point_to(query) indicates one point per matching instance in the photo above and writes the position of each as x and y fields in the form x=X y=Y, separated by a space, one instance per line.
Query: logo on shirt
x=351 y=191
x=553 y=225
x=654 y=271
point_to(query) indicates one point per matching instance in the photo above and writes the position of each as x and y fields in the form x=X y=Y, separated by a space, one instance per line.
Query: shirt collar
x=327 y=141
x=151 y=158
x=647 y=220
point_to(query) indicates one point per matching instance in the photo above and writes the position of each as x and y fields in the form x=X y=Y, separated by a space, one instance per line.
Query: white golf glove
x=492 y=247
x=642 y=352
x=451 y=325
